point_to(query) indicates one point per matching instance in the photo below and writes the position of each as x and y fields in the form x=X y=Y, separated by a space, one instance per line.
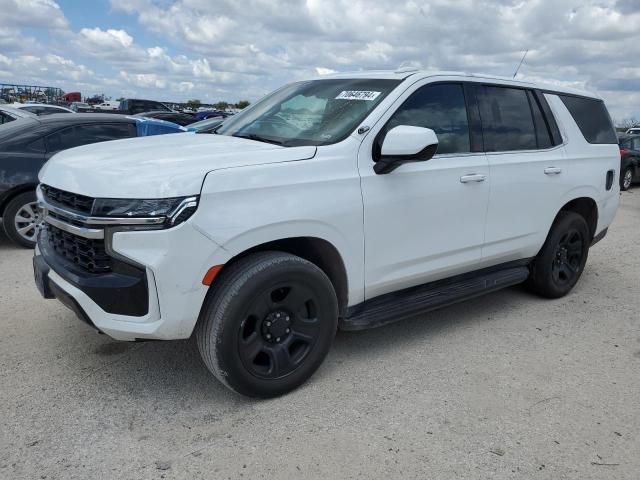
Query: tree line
x=195 y=104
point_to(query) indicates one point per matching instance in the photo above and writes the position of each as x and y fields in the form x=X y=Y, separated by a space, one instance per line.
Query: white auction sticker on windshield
x=357 y=95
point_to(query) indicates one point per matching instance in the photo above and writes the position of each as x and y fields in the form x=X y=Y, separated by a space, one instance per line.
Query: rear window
x=507 y=121
x=78 y=135
x=592 y=118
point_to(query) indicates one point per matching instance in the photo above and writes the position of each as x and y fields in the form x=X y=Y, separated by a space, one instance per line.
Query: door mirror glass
x=405 y=143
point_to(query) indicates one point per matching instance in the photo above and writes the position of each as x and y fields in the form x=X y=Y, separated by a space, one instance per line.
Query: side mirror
x=405 y=144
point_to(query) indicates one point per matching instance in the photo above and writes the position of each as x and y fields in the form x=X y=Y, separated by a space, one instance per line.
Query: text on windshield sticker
x=357 y=95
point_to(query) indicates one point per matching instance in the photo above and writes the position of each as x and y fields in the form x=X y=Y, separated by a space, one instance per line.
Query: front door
x=425 y=220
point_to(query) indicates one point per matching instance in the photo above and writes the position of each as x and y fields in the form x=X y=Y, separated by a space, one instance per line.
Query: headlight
x=176 y=210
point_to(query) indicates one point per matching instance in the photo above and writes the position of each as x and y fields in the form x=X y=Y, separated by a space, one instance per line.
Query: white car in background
x=108 y=105
x=348 y=201
x=9 y=114
x=633 y=131
x=41 y=108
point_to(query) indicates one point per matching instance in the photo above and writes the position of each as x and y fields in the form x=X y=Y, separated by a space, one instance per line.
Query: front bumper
x=171 y=264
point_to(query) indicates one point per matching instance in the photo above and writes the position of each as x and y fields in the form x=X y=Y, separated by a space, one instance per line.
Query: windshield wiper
x=258 y=138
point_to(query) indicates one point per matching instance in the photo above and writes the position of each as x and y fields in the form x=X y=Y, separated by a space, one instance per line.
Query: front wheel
x=267 y=323
x=21 y=219
x=559 y=265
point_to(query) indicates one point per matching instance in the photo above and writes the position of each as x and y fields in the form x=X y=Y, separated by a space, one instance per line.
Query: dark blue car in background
x=26 y=144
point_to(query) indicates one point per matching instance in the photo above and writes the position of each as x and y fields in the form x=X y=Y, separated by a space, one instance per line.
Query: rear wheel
x=559 y=265
x=268 y=323
x=21 y=219
x=626 y=179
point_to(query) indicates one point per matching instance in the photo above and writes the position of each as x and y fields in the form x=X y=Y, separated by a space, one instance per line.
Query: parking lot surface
x=504 y=386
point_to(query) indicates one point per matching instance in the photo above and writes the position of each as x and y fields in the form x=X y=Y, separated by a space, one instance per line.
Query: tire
x=626 y=179
x=20 y=214
x=267 y=323
x=559 y=264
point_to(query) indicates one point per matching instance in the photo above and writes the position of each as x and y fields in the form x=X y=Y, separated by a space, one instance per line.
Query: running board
x=408 y=303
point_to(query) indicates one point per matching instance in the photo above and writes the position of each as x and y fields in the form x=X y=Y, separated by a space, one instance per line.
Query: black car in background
x=26 y=144
x=133 y=106
x=183 y=119
x=629 y=160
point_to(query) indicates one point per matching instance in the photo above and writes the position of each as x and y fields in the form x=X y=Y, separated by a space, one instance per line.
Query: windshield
x=317 y=112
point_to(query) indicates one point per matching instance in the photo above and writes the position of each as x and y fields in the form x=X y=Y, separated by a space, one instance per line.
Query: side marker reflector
x=211 y=275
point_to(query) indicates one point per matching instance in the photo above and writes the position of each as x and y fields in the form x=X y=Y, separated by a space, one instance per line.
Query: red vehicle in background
x=72 y=97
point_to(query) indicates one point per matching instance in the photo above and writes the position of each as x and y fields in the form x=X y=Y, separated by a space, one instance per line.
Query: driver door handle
x=474 y=177
x=552 y=171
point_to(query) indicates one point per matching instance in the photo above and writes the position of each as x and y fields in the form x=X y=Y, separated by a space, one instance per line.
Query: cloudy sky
x=237 y=49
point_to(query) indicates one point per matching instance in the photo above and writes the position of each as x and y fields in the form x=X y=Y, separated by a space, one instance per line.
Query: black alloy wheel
x=267 y=323
x=559 y=264
x=279 y=329
x=568 y=257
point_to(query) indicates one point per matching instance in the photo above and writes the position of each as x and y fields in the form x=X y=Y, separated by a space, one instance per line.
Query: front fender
x=242 y=208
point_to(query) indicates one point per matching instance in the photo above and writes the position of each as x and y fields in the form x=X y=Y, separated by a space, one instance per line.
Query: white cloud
x=32 y=13
x=106 y=39
x=47 y=70
x=230 y=49
x=144 y=80
x=325 y=71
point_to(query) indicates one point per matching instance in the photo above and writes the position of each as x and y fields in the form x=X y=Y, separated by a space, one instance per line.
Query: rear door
x=21 y=157
x=528 y=170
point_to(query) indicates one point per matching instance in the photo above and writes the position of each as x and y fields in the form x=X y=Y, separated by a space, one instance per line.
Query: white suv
x=348 y=202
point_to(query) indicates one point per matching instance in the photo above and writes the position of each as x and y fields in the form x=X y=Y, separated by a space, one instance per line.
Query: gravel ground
x=504 y=386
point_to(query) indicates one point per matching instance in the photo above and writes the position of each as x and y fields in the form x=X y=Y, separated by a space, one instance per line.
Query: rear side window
x=592 y=118
x=34 y=110
x=543 y=134
x=51 y=111
x=4 y=118
x=157 y=106
x=442 y=108
x=507 y=121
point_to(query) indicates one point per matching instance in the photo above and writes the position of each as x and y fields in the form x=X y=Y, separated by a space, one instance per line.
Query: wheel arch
x=318 y=251
x=586 y=207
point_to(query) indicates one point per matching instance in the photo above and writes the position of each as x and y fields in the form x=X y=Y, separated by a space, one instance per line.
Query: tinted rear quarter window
x=592 y=118
x=507 y=122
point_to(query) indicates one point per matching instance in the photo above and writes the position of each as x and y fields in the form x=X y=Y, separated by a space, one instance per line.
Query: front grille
x=87 y=254
x=79 y=203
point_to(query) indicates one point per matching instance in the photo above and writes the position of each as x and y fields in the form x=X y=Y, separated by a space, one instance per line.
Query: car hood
x=157 y=167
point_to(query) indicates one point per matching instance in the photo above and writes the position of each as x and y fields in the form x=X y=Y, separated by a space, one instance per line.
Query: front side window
x=507 y=123
x=440 y=107
x=317 y=112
